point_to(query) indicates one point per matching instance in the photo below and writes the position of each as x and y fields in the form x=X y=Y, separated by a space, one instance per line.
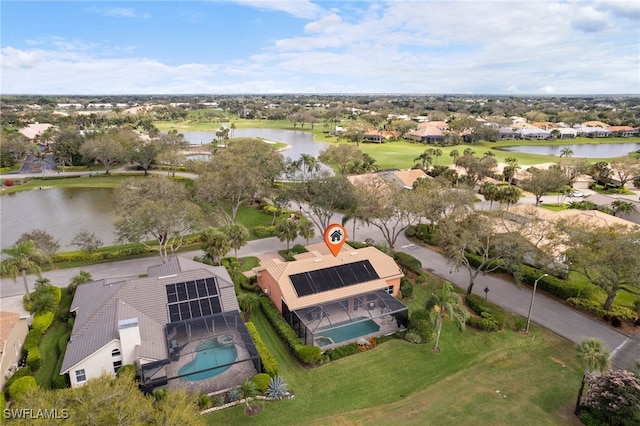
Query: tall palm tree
x=454 y=153
x=620 y=206
x=446 y=305
x=23 y=258
x=424 y=159
x=595 y=357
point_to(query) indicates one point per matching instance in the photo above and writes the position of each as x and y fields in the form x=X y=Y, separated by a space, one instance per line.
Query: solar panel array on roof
x=327 y=279
x=192 y=299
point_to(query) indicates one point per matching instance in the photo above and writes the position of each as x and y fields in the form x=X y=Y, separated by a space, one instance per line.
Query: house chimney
x=129 y=338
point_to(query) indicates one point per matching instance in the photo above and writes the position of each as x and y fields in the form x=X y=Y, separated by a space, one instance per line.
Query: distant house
x=180 y=326
x=593 y=132
x=624 y=131
x=534 y=133
x=13 y=332
x=565 y=133
x=379 y=136
x=508 y=133
x=334 y=300
x=402 y=178
x=34 y=130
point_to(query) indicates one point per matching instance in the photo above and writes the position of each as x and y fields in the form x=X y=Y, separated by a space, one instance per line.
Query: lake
x=62 y=212
x=299 y=141
x=609 y=150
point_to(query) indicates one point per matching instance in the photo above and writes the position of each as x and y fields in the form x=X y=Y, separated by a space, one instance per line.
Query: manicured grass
x=251 y=217
x=554 y=207
x=403 y=383
x=49 y=345
x=99 y=181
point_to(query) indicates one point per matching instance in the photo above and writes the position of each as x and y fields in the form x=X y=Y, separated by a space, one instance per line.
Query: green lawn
x=100 y=181
x=403 y=383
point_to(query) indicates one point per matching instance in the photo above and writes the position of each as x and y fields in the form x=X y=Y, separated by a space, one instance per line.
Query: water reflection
x=609 y=150
x=62 y=212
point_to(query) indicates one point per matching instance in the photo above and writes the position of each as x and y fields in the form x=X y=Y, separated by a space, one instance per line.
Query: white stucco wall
x=94 y=365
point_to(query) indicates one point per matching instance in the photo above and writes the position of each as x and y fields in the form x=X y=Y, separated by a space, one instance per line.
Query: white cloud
x=118 y=12
x=298 y=8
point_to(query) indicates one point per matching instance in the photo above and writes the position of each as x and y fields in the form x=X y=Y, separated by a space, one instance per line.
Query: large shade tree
x=158 y=209
x=243 y=171
x=23 y=258
x=607 y=255
x=542 y=181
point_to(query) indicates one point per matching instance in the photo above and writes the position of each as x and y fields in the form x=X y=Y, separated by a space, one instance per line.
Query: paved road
x=547 y=312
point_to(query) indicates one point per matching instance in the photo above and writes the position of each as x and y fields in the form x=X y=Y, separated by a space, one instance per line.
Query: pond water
x=62 y=212
x=300 y=142
x=608 y=150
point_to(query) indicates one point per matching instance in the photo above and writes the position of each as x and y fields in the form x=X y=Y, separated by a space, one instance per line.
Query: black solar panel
x=192 y=299
x=327 y=279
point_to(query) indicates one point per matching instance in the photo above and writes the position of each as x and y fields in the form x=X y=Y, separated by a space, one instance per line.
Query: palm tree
x=238 y=237
x=306 y=229
x=566 y=152
x=215 y=244
x=248 y=390
x=454 y=154
x=424 y=159
x=248 y=301
x=23 y=257
x=287 y=230
x=446 y=304
x=595 y=357
x=624 y=207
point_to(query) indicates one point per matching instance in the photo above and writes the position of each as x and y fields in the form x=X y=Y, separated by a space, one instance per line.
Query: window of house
x=115 y=352
x=81 y=376
x=390 y=289
x=116 y=366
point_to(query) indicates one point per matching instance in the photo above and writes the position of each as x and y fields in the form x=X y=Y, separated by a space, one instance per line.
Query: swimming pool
x=209 y=355
x=349 y=331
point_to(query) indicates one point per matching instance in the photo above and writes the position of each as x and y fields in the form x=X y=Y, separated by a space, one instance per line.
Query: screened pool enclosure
x=339 y=322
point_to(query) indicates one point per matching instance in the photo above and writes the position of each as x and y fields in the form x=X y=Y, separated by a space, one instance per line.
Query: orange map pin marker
x=334 y=237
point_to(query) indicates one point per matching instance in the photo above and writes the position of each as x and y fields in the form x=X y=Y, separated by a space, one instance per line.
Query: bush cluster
x=34 y=359
x=41 y=322
x=491 y=319
x=21 y=386
x=269 y=363
x=408 y=262
x=341 y=351
x=284 y=330
x=262 y=381
x=80 y=256
x=406 y=288
x=8 y=182
x=264 y=231
x=422 y=231
x=421 y=323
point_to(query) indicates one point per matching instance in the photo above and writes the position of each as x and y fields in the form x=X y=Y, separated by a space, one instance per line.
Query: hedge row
x=555 y=286
x=616 y=314
x=269 y=363
x=264 y=231
x=34 y=359
x=41 y=322
x=21 y=386
x=79 y=256
x=408 y=262
x=297 y=348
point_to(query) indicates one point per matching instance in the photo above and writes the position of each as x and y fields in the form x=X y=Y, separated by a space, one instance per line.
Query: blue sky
x=544 y=47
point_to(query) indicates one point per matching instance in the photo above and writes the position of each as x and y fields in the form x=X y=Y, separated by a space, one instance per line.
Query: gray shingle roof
x=99 y=306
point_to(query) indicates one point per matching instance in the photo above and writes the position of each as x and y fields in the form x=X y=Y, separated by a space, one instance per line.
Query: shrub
x=20 y=372
x=264 y=231
x=269 y=363
x=412 y=336
x=491 y=318
x=277 y=388
x=218 y=401
x=341 y=351
x=520 y=324
x=204 y=401
x=32 y=340
x=424 y=232
x=408 y=262
x=406 y=288
x=262 y=381
x=21 y=386
x=160 y=394
x=34 y=358
x=420 y=322
x=308 y=354
x=42 y=321
x=127 y=369
x=356 y=245
x=8 y=182
x=234 y=395
x=614 y=398
x=488 y=323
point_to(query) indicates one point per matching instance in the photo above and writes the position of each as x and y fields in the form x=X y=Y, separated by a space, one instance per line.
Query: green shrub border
x=269 y=363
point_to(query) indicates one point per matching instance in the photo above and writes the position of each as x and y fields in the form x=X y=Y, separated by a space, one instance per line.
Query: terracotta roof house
x=624 y=131
x=427 y=135
x=180 y=326
x=334 y=300
x=402 y=178
x=595 y=123
x=379 y=136
x=13 y=332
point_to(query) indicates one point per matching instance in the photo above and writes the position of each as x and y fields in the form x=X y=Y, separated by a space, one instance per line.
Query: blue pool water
x=210 y=354
x=346 y=332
